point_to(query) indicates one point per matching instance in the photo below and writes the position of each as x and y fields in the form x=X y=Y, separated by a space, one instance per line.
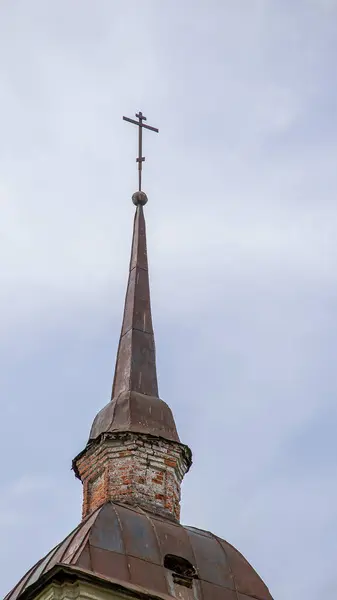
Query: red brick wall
x=135 y=469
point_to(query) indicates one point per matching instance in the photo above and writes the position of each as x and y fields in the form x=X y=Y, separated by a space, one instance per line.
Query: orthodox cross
x=140 y=158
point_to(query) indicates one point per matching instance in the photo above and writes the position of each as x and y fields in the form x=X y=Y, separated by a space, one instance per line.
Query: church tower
x=130 y=543
x=134 y=454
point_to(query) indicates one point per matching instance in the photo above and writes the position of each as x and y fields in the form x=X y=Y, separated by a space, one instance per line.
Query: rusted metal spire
x=135 y=405
x=136 y=362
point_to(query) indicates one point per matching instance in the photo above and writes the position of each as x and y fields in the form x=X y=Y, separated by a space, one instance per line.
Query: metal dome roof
x=138 y=551
x=140 y=413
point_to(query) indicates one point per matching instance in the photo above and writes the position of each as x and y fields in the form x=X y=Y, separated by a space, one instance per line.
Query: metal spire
x=135 y=405
x=136 y=362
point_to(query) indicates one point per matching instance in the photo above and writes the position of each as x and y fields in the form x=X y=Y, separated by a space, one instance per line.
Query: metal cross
x=140 y=158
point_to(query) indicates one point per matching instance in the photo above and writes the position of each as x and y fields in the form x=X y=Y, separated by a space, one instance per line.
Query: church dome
x=130 y=550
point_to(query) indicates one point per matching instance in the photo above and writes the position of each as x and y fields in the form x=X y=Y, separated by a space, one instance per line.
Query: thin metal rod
x=140 y=155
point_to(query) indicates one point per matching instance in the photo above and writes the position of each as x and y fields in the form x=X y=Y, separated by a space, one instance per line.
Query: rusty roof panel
x=247 y=580
x=77 y=540
x=147 y=575
x=211 y=560
x=84 y=560
x=110 y=564
x=138 y=535
x=173 y=539
x=106 y=532
x=40 y=569
x=216 y=592
x=131 y=545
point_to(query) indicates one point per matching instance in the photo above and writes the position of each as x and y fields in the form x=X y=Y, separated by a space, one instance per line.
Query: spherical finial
x=139 y=198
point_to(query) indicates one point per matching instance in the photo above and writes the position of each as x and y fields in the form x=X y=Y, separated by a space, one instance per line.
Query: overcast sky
x=242 y=242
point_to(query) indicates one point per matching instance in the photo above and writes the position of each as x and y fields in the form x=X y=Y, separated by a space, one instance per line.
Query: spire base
x=139 y=413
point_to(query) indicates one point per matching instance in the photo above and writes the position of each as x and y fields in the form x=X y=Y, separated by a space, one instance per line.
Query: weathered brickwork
x=135 y=469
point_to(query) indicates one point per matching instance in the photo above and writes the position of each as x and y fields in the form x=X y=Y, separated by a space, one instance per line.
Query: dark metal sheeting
x=135 y=405
x=138 y=413
x=119 y=542
x=136 y=357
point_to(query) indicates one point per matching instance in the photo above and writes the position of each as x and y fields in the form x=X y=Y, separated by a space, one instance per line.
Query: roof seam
x=229 y=564
x=122 y=537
